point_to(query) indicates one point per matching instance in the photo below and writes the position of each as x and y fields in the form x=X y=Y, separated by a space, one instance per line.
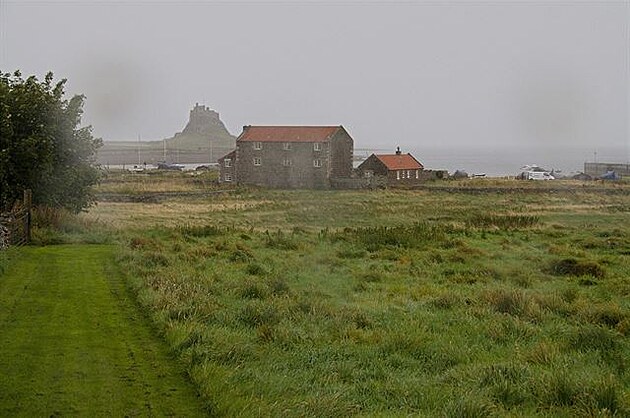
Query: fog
x=417 y=74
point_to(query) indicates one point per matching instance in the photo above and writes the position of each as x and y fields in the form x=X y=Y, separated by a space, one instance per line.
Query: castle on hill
x=202 y=121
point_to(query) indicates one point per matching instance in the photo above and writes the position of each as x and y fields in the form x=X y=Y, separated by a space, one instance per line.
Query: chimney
x=398 y=151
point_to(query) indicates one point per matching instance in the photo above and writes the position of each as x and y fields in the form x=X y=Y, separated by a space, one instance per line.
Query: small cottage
x=398 y=169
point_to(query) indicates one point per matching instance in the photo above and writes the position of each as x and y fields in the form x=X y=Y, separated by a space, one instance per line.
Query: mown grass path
x=73 y=343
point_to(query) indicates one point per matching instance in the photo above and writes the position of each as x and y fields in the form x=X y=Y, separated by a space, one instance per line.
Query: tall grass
x=417 y=235
x=383 y=314
x=59 y=226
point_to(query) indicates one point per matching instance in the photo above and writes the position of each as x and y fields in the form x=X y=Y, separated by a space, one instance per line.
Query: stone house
x=305 y=157
x=227 y=168
x=398 y=170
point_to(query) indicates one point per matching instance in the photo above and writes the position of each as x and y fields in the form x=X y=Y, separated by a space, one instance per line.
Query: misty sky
x=409 y=73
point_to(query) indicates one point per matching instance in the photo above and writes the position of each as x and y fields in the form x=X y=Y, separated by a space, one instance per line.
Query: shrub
x=351 y=253
x=280 y=241
x=143 y=243
x=265 y=333
x=559 y=390
x=373 y=239
x=507 y=301
x=608 y=314
x=590 y=337
x=199 y=231
x=603 y=398
x=506 y=222
x=468 y=406
x=255 y=269
x=370 y=277
x=542 y=353
x=257 y=313
x=155 y=259
x=361 y=320
x=279 y=286
x=575 y=267
x=506 y=383
x=446 y=300
x=42 y=147
x=253 y=290
x=240 y=254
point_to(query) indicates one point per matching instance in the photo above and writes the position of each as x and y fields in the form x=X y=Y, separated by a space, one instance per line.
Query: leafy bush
x=41 y=146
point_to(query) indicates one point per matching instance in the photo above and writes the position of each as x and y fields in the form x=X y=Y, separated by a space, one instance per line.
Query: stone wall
x=356 y=183
x=341 y=153
x=372 y=166
x=227 y=168
x=294 y=167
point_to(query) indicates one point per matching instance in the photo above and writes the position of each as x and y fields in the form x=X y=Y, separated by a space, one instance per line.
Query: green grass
x=73 y=342
x=396 y=302
x=451 y=303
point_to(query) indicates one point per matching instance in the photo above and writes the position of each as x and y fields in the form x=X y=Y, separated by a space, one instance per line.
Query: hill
x=203 y=139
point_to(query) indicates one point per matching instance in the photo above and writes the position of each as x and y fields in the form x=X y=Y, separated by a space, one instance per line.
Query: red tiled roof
x=288 y=133
x=399 y=161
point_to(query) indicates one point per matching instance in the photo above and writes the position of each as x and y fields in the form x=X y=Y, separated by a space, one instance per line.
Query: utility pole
x=138 y=150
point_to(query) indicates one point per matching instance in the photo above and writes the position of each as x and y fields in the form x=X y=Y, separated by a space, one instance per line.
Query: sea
x=504 y=161
x=491 y=161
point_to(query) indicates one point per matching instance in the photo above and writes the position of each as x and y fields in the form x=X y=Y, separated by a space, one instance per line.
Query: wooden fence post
x=28 y=201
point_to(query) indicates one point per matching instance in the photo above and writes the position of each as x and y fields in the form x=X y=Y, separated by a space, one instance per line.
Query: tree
x=42 y=147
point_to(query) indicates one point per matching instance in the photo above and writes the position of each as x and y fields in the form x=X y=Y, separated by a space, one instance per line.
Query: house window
x=257 y=161
x=286 y=146
x=317 y=163
x=417 y=174
x=227 y=162
x=258 y=145
x=397 y=174
x=408 y=174
x=287 y=162
x=317 y=147
x=228 y=177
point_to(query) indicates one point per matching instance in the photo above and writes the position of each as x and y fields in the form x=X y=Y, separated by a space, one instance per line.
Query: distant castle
x=202 y=121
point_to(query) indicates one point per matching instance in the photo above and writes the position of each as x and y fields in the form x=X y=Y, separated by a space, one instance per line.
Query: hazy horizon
x=459 y=74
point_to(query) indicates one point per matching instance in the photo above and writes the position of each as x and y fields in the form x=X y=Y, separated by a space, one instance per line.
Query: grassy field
x=73 y=342
x=434 y=302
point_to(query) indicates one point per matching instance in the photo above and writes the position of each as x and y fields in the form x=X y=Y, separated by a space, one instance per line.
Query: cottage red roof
x=288 y=133
x=399 y=161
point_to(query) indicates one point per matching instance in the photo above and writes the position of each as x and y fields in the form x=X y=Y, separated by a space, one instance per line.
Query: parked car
x=161 y=165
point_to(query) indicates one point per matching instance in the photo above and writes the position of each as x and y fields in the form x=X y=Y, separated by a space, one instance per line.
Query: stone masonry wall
x=283 y=168
x=341 y=152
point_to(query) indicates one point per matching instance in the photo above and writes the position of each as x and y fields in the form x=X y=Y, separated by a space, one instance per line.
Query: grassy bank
x=72 y=341
x=392 y=302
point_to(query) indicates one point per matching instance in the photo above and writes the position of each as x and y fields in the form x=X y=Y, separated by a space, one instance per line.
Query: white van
x=539 y=175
